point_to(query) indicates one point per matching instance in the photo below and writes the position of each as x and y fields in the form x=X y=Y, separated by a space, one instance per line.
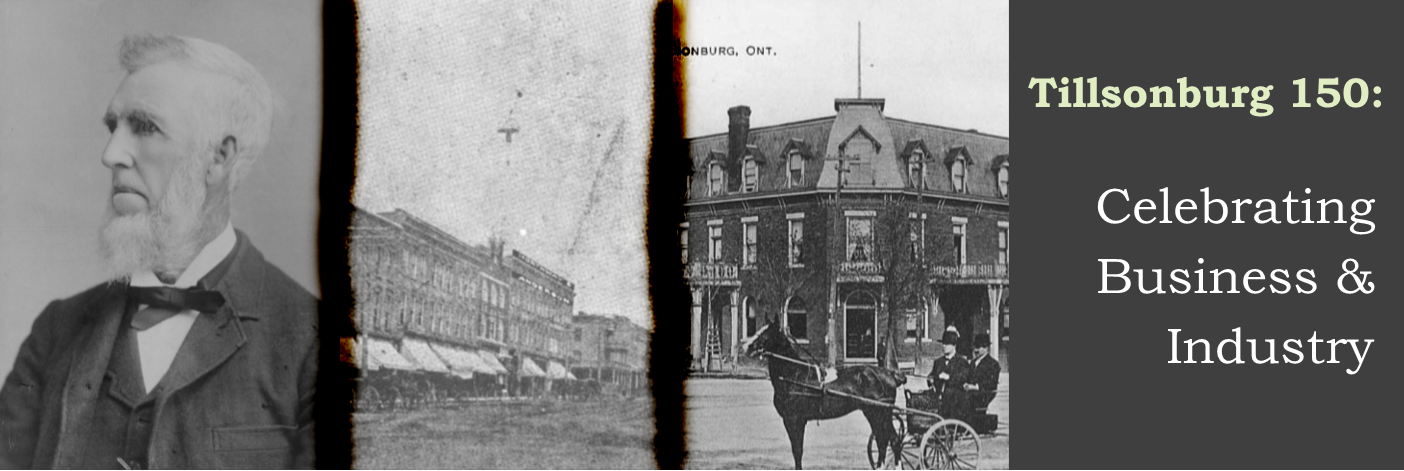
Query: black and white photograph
x=159 y=165
x=846 y=234
x=497 y=246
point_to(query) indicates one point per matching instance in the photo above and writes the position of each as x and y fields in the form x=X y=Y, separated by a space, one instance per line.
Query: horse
x=797 y=405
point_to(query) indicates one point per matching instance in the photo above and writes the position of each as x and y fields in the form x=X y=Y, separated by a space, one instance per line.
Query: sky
x=439 y=78
x=574 y=79
x=935 y=62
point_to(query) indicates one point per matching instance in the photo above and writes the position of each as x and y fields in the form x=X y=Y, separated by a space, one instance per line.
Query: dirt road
x=732 y=424
x=605 y=434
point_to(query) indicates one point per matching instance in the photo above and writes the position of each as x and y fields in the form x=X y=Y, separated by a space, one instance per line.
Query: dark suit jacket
x=238 y=394
x=956 y=366
x=986 y=374
x=953 y=395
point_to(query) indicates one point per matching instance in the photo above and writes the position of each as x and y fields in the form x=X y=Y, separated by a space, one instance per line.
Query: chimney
x=738 y=132
x=496 y=244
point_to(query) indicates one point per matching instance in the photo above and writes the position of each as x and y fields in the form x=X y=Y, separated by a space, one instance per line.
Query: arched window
x=796 y=318
x=916 y=169
x=1004 y=180
x=958 y=175
x=749 y=176
x=750 y=316
x=796 y=176
x=716 y=180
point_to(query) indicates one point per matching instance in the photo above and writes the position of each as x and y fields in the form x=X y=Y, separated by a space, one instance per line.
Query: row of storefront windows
x=859 y=240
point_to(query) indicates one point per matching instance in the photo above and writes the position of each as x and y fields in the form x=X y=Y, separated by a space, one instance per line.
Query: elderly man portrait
x=196 y=352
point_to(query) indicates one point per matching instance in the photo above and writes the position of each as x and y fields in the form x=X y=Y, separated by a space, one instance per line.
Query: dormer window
x=749 y=176
x=716 y=180
x=916 y=169
x=1004 y=180
x=958 y=175
x=1000 y=167
x=859 y=151
x=796 y=165
x=958 y=164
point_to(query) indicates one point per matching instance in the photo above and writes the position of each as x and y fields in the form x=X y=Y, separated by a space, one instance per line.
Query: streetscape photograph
x=846 y=234
x=497 y=252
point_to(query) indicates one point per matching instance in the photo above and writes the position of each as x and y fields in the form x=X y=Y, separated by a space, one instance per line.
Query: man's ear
x=224 y=156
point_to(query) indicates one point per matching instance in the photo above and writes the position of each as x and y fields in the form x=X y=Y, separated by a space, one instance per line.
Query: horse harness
x=823 y=386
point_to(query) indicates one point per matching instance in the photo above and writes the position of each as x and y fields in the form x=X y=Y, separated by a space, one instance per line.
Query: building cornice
x=924 y=195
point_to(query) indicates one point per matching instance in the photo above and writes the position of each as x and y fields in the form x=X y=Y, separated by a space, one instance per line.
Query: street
x=609 y=433
x=732 y=424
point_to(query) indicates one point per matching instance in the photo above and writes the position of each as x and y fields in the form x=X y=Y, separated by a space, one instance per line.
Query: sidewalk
x=732 y=373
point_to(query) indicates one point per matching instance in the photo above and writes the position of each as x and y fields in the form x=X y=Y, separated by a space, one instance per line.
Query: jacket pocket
x=254 y=438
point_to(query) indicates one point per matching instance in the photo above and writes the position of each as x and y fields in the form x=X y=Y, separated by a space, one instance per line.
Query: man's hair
x=246 y=113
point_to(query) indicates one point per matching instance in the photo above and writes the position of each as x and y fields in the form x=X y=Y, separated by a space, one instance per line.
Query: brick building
x=610 y=349
x=856 y=232
x=435 y=307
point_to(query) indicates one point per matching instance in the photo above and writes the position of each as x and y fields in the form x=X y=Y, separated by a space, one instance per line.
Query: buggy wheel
x=907 y=458
x=950 y=444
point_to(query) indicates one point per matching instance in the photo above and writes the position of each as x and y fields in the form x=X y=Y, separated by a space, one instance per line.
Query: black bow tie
x=177 y=299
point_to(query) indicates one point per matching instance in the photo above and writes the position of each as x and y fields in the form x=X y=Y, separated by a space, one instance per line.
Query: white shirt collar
x=209 y=257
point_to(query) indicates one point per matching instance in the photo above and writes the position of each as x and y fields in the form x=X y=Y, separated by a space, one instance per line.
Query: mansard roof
x=819 y=139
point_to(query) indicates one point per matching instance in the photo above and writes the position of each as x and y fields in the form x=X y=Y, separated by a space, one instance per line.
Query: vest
x=123 y=417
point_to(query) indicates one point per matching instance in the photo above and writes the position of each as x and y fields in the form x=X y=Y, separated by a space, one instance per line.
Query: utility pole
x=842 y=166
x=925 y=311
x=860 y=61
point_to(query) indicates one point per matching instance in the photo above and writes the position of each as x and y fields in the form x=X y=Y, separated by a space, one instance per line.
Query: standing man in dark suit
x=948 y=375
x=984 y=376
x=198 y=353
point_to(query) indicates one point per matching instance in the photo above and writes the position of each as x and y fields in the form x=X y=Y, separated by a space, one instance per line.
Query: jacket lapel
x=211 y=340
x=87 y=370
x=215 y=337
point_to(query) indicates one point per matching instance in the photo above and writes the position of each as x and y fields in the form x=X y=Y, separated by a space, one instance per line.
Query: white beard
x=166 y=237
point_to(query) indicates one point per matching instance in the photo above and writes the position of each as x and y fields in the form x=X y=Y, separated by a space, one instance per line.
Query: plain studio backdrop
x=59 y=70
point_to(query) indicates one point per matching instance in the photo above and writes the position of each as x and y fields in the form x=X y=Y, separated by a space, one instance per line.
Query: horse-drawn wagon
x=916 y=434
x=928 y=440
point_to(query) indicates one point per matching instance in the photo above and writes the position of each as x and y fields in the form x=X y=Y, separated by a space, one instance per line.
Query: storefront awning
x=463 y=363
x=529 y=368
x=421 y=353
x=381 y=353
x=555 y=371
x=491 y=360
